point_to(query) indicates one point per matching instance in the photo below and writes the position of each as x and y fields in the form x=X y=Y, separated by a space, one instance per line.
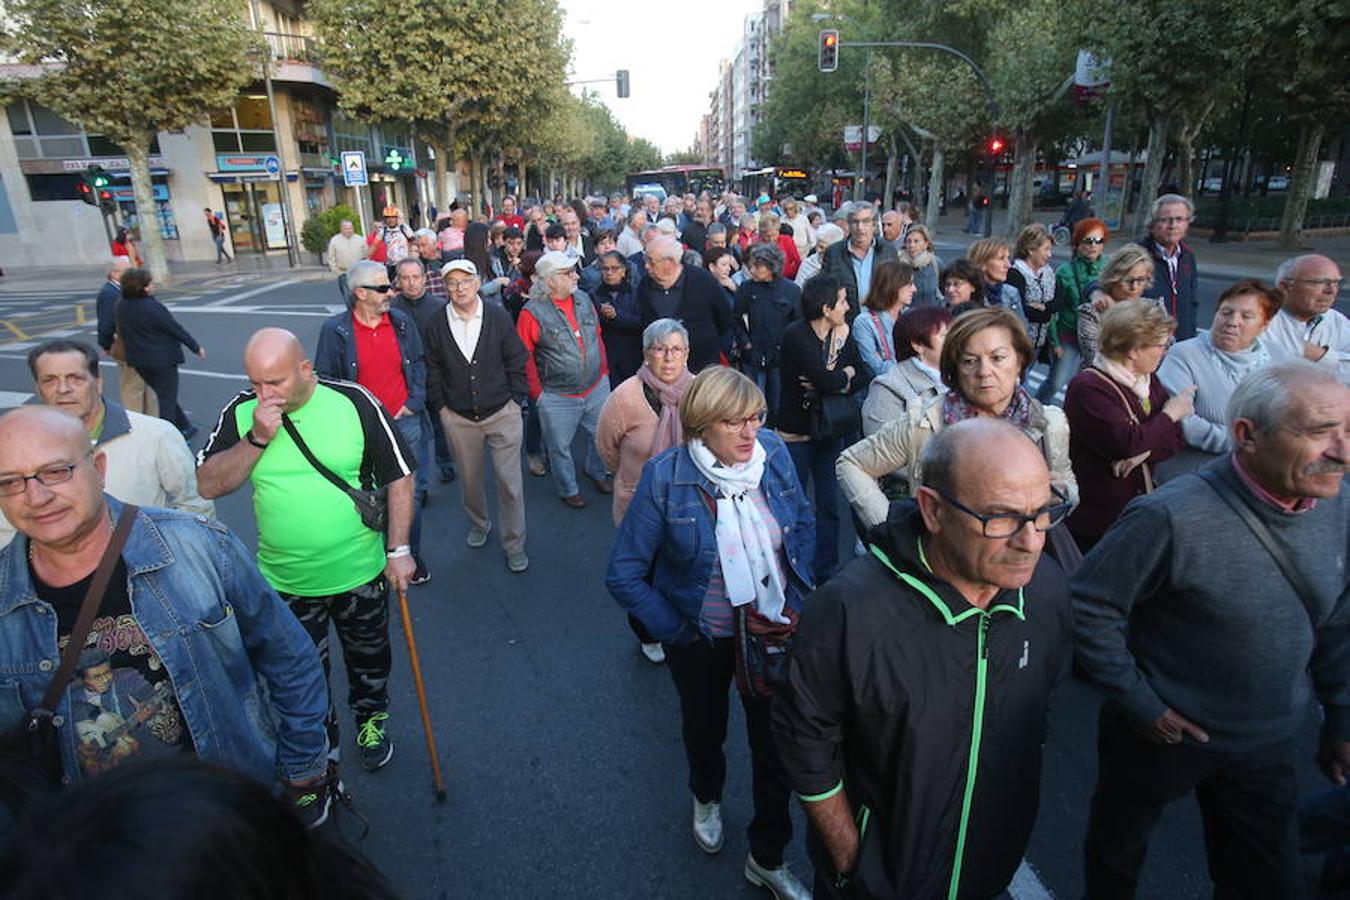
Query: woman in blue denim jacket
x=717 y=524
x=246 y=676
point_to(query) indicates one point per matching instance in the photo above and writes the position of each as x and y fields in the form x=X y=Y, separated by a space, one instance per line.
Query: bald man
x=312 y=545
x=688 y=294
x=1308 y=326
x=924 y=663
x=186 y=617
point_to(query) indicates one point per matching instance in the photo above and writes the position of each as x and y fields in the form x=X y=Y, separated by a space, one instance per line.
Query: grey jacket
x=892 y=393
x=564 y=367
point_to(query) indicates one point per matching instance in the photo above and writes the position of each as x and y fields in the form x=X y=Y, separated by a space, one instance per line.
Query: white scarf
x=744 y=547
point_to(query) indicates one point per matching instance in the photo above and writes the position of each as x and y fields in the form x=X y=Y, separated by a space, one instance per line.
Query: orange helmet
x=391 y=211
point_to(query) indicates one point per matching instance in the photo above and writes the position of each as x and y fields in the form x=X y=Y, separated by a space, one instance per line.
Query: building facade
x=743 y=84
x=237 y=164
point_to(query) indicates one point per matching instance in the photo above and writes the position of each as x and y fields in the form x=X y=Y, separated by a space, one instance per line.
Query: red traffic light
x=828 y=52
x=996 y=146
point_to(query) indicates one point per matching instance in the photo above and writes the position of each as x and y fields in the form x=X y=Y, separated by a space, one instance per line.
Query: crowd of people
x=1175 y=523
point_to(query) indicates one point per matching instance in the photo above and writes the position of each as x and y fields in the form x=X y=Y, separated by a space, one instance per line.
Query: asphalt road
x=560 y=743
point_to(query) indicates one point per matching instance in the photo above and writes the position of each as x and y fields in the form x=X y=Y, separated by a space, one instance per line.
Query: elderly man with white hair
x=1308 y=326
x=828 y=235
x=1174 y=269
x=688 y=294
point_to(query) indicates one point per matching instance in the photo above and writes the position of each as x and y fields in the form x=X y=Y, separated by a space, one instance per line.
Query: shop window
x=53 y=187
x=256 y=141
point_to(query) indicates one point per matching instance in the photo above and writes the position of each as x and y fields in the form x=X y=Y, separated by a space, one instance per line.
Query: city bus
x=681 y=180
x=776 y=182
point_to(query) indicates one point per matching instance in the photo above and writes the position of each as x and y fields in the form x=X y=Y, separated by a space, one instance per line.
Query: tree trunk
x=1019 y=185
x=1186 y=162
x=920 y=176
x=1148 y=189
x=147 y=216
x=1127 y=187
x=522 y=186
x=475 y=184
x=892 y=166
x=1296 y=204
x=937 y=183
x=440 y=192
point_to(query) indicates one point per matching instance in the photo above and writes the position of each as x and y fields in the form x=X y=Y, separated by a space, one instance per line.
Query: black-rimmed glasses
x=1005 y=525
x=59 y=473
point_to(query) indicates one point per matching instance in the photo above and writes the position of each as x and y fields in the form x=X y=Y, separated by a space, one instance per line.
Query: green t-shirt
x=311 y=542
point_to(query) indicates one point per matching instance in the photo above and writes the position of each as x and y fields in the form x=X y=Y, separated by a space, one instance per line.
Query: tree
x=689 y=157
x=130 y=69
x=1314 y=46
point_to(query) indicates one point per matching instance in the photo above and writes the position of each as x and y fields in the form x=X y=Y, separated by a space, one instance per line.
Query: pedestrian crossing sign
x=354 y=168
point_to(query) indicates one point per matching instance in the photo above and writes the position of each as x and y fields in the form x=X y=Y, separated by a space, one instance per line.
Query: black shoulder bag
x=372 y=506
x=832 y=415
x=1258 y=528
x=30 y=763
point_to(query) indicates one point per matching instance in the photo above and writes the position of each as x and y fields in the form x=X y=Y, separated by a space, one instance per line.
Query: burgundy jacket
x=1100 y=432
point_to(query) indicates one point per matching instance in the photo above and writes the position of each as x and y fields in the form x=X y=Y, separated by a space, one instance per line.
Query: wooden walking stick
x=421 y=696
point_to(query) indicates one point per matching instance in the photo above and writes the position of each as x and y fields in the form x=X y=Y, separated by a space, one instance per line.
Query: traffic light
x=829 y=50
x=98 y=176
x=86 y=192
x=621 y=82
x=395 y=160
x=106 y=202
x=995 y=147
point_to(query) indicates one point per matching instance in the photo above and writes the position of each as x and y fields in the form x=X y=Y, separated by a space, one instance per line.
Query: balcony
x=295 y=58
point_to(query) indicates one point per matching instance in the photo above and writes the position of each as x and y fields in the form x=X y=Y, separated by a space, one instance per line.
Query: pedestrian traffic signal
x=86 y=192
x=829 y=50
x=621 y=82
x=106 y=202
x=995 y=147
x=98 y=176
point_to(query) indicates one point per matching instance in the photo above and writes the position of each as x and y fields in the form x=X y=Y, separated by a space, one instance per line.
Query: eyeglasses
x=461 y=284
x=1093 y=241
x=668 y=351
x=60 y=473
x=754 y=421
x=1172 y=220
x=1323 y=283
x=1005 y=525
x=1136 y=281
x=377 y=288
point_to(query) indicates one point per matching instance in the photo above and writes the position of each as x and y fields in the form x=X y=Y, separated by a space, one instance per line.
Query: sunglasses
x=377 y=288
x=1093 y=241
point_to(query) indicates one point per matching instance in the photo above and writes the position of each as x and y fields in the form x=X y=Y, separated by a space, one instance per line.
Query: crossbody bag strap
x=310 y=458
x=1258 y=528
x=93 y=599
x=1129 y=410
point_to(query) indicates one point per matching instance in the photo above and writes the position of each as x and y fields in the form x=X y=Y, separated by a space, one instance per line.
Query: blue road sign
x=272 y=165
x=354 y=168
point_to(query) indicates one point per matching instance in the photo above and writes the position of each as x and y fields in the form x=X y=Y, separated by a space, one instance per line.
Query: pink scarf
x=669 y=431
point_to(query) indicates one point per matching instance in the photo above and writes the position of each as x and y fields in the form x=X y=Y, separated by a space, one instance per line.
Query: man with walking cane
x=319 y=453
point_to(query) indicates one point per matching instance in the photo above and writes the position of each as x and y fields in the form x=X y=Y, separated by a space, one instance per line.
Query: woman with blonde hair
x=918 y=253
x=991 y=257
x=1127 y=275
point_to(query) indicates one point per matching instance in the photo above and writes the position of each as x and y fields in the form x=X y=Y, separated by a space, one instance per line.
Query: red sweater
x=528 y=329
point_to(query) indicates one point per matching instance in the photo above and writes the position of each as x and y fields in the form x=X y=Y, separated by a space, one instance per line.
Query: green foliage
x=688 y=157
x=320 y=228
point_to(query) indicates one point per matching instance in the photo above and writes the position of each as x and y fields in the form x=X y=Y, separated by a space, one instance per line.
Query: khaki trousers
x=502 y=433
x=136 y=395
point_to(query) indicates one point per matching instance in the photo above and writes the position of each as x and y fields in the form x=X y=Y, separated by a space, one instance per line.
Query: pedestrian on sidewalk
x=1252 y=549
x=314 y=547
x=152 y=338
x=567 y=371
x=477 y=387
x=1308 y=326
x=730 y=486
x=1174 y=268
x=345 y=249
x=216 y=222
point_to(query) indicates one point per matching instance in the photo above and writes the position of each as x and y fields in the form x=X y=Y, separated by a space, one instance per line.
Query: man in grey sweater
x=1204 y=648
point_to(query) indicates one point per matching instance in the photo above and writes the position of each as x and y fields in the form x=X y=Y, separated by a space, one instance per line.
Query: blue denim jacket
x=246 y=675
x=665 y=551
x=335 y=356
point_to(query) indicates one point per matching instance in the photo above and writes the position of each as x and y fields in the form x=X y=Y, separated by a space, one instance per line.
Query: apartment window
x=350 y=134
x=247 y=127
x=39 y=133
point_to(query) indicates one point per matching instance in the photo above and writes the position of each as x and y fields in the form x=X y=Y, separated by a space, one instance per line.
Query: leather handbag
x=30 y=762
x=833 y=415
x=372 y=506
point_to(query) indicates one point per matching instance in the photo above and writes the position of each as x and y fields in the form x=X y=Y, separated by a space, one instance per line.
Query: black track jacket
x=927 y=712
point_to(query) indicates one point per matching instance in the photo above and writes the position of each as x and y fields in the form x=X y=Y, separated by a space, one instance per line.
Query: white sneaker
x=780 y=881
x=708 y=826
x=654 y=652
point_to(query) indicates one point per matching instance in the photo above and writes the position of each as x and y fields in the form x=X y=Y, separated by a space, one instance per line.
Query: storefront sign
x=234 y=162
x=107 y=162
x=274 y=225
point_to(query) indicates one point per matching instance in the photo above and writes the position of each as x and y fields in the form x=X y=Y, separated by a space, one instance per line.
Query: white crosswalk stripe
x=11 y=399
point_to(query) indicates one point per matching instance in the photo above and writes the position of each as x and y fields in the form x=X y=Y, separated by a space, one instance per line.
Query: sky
x=671 y=51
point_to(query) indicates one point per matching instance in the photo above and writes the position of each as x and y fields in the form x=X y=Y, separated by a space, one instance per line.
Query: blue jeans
x=410 y=429
x=534 y=436
x=559 y=417
x=770 y=383
x=1065 y=368
x=814 y=461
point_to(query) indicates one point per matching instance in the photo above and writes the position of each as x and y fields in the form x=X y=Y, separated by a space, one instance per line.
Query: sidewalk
x=182 y=274
x=1238 y=259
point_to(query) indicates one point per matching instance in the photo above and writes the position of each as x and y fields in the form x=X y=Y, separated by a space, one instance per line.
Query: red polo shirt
x=379 y=364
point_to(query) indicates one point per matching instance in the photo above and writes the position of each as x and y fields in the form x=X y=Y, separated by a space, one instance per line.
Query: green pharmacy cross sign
x=395 y=160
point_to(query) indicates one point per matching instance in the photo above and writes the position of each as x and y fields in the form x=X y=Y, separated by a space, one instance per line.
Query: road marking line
x=248 y=311
x=13 y=329
x=255 y=292
x=1026 y=885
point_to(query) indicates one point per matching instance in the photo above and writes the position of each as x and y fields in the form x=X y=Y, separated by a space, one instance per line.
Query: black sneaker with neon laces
x=376 y=747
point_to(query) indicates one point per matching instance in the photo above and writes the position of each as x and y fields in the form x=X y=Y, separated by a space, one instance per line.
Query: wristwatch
x=248 y=436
